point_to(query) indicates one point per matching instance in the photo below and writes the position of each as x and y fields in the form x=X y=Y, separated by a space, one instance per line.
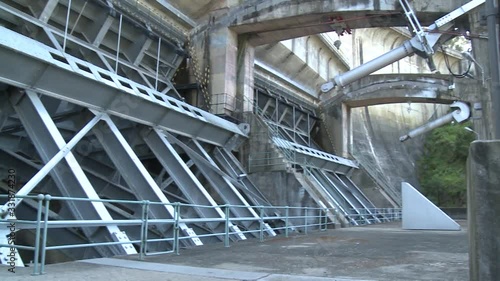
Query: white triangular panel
x=420 y=213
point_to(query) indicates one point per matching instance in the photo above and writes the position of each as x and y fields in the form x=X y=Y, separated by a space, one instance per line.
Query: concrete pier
x=484 y=209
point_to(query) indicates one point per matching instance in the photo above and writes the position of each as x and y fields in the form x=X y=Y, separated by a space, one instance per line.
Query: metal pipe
x=378 y=63
x=366 y=69
x=428 y=127
x=491 y=19
x=461 y=114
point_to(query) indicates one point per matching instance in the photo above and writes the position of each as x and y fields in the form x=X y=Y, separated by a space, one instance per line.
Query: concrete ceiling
x=270 y=21
x=195 y=9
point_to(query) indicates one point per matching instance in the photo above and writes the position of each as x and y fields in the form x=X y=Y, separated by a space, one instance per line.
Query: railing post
x=261 y=224
x=37 y=234
x=326 y=220
x=144 y=229
x=44 y=234
x=306 y=220
x=177 y=210
x=320 y=219
x=286 y=221
x=226 y=226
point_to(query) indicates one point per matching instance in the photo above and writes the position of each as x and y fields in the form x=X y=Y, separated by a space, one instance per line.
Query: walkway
x=378 y=252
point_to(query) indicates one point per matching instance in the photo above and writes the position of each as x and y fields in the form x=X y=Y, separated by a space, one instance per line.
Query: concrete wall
x=483 y=195
x=281 y=188
x=307 y=61
x=375 y=140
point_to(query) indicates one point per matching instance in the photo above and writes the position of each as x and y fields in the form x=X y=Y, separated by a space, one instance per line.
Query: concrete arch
x=397 y=88
x=277 y=20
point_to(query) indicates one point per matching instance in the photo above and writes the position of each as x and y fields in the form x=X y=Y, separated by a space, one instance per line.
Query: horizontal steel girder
x=316 y=158
x=135 y=174
x=33 y=65
x=68 y=174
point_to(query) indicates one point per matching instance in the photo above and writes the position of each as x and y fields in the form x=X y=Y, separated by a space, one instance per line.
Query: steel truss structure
x=325 y=176
x=88 y=111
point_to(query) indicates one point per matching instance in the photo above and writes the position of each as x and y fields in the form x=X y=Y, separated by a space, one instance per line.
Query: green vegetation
x=442 y=169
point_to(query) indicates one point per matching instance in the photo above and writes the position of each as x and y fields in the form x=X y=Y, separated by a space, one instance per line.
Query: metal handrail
x=319 y=219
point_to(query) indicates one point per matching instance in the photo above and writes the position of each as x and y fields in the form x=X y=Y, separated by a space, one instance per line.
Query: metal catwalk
x=325 y=176
x=88 y=111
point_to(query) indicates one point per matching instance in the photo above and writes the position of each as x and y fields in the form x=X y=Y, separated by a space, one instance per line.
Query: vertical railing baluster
x=37 y=233
x=44 y=234
x=144 y=229
x=226 y=226
x=286 y=221
x=261 y=224
x=176 y=227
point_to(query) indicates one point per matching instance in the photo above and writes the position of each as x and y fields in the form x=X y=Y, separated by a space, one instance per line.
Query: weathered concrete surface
x=483 y=175
x=483 y=120
x=307 y=61
x=271 y=21
x=380 y=252
x=94 y=272
x=375 y=142
x=367 y=129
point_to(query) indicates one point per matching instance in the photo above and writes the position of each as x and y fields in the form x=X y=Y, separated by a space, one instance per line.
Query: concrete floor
x=380 y=252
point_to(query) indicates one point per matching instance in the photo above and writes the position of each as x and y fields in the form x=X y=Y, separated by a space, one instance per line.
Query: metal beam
x=48 y=10
x=177 y=13
x=135 y=174
x=221 y=184
x=36 y=66
x=49 y=142
x=95 y=33
x=137 y=50
x=186 y=181
x=233 y=167
x=65 y=151
x=341 y=194
x=283 y=115
x=316 y=158
x=88 y=46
